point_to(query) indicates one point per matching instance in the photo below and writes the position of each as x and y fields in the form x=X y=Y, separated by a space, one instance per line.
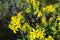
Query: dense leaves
x=29 y=19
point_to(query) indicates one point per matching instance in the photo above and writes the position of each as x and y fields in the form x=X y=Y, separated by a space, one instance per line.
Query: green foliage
x=32 y=19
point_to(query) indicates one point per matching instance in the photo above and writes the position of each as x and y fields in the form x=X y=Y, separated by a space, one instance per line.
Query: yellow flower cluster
x=15 y=22
x=36 y=34
x=39 y=14
x=43 y=20
x=39 y=34
x=49 y=8
x=34 y=3
x=58 y=18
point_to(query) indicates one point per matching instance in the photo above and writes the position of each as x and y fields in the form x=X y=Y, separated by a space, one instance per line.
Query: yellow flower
x=58 y=23
x=36 y=34
x=49 y=38
x=44 y=20
x=35 y=4
x=49 y=8
x=41 y=34
x=32 y=1
x=32 y=34
x=11 y=27
x=19 y=14
x=39 y=14
x=58 y=18
x=15 y=22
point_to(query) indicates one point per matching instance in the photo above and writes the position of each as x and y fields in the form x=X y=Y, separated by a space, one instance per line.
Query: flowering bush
x=38 y=21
